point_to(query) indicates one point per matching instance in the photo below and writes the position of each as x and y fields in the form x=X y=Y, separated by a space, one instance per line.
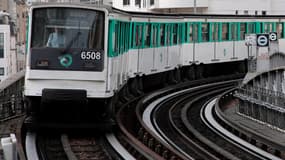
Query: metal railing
x=11 y=97
x=269 y=96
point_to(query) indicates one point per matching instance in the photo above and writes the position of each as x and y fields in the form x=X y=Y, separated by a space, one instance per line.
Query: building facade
x=3 y=5
x=13 y=19
x=5 y=60
x=241 y=7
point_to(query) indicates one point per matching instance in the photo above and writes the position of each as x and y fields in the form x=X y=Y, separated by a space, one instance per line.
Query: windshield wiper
x=71 y=42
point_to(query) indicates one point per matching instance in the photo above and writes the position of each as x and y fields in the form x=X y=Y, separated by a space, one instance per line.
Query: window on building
x=138 y=3
x=126 y=2
x=144 y=3
x=263 y=13
x=151 y=2
x=242 y=31
x=245 y=12
x=2 y=71
x=205 y=32
x=225 y=31
x=1 y=45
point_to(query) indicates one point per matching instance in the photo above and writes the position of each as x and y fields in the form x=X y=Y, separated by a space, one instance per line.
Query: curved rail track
x=136 y=135
x=68 y=147
x=179 y=130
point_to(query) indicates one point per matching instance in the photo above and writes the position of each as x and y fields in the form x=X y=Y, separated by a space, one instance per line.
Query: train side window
x=122 y=38
x=234 y=31
x=279 y=29
x=147 y=33
x=225 y=31
x=117 y=39
x=267 y=27
x=138 y=35
x=205 y=32
x=182 y=33
x=250 y=28
x=162 y=34
x=154 y=35
x=2 y=73
x=242 y=30
x=195 y=31
x=131 y=43
x=168 y=34
x=190 y=32
x=174 y=34
x=215 y=31
x=2 y=45
x=126 y=35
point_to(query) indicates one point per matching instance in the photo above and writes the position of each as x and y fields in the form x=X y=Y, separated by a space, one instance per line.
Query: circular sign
x=273 y=36
x=262 y=40
x=65 y=60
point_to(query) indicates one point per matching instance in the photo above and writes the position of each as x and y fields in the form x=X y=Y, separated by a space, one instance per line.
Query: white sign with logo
x=273 y=36
x=262 y=40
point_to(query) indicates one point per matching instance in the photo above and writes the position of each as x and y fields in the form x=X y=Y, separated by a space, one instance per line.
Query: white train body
x=130 y=49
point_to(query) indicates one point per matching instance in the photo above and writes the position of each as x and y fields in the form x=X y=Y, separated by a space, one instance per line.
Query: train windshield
x=67 y=39
x=67 y=28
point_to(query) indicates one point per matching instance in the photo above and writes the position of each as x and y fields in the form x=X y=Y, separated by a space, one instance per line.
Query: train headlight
x=42 y=63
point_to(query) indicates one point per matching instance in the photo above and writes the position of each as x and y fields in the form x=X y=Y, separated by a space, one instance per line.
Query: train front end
x=66 y=73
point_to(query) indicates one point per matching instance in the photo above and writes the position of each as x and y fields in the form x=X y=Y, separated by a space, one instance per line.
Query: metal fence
x=268 y=96
x=262 y=104
x=11 y=97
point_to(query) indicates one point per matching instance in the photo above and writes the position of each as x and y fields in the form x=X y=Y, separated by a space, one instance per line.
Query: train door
x=147 y=52
x=175 y=44
x=215 y=37
x=138 y=45
x=195 y=30
x=234 y=38
x=157 y=51
x=168 y=35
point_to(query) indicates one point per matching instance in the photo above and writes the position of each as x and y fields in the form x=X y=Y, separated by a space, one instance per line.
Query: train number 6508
x=90 y=55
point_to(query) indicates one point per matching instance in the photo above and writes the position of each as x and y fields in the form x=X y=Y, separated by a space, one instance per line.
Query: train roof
x=113 y=10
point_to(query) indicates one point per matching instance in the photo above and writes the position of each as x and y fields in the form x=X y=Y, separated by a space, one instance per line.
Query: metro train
x=98 y=50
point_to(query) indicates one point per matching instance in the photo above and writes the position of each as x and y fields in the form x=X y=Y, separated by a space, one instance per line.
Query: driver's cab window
x=55 y=37
x=67 y=28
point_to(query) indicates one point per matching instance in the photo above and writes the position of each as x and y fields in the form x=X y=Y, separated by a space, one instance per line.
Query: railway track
x=141 y=141
x=190 y=141
x=68 y=147
x=178 y=131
